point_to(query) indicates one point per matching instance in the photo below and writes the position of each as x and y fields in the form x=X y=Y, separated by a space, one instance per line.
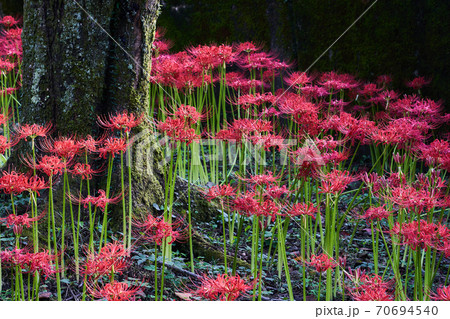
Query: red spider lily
x=376 y=213
x=403 y=132
x=267 y=208
x=120 y=121
x=8 y=91
x=176 y=129
x=209 y=57
x=32 y=131
x=410 y=198
x=276 y=192
x=4 y=144
x=336 y=181
x=41 y=262
x=247 y=47
x=246 y=203
x=354 y=129
x=35 y=184
x=370 y=288
x=255 y=99
x=64 y=147
x=321 y=262
x=418 y=82
x=18 y=222
x=115 y=291
x=9 y=22
x=421 y=234
x=3 y=118
x=302 y=209
x=224 y=287
x=219 y=191
x=13 y=182
x=298 y=79
x=158 y=231
x=304 y=113
x=442 y=294
x=384 y=79
x=188 y=114
x=435 y=153
x=89 y=144
x=112 y=258
x=6 y=66
x=50 y=165
x=97 y=201
x=262 y=179
x=84 y=170
x=112 y=146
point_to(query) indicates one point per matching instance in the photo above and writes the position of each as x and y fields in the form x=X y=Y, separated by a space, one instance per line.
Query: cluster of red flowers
x=114 y=291
x=224 y=287
x=422 y=234
x=321 y=262
x=179 y=127
x=370 y=287
x=157 y=230
x=111 y=259
x=18 y=222
x=42 y=262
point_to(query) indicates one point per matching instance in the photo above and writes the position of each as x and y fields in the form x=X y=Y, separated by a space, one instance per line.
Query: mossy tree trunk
x=75 y=68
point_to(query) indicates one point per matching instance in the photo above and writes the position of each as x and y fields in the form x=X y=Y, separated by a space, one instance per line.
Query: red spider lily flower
x=369 y=89
x=9 y=22
x=370 y=288
x=64 y=147
x=159 y=231
x=13 y=182
x=50 y=165
x=384 y=79
x=336 y=181
x=4 y=144
x=262 y=179
x=219 y=191
x=418 y=83
x=321 y=262
x=6 y=67
x=115 y=291
x=249 y=100
x=84 y=170
x=32 y=131
x=3 y=118
x=442 y=294
x=42 y=262
x=376 y=213
x=298 y=79
x=303 y=209
x=410 y=198
x=120 y=121
x=18 y=222
x=247 y=47
x=35 y=184
x=421 y=234
x=267 y=208
x=188 y=114
x=224 y=287
x=89 y=144
x=276 y=192
x=246 y=203
x=268 y=141
x=97 y=201
x=112 y=146
x=112 y=258
x=176 y=129
x=435 y=153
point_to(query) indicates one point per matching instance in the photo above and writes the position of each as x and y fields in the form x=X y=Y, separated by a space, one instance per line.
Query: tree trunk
x=75 y=68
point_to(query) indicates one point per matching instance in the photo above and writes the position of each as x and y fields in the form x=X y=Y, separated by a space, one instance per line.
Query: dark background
x=403 y=38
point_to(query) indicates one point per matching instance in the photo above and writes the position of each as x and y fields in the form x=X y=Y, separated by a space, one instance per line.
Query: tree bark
x=83 y=58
